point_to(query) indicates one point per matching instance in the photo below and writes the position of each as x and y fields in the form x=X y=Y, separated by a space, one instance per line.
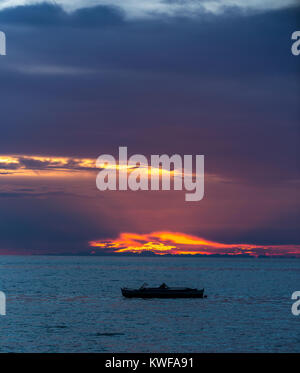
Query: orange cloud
x=33 y=165
x=175 y=243
x=54 y=166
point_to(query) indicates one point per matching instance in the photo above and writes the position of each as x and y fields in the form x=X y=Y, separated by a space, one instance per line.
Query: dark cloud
x=45 y=15
x=36 y=225
x=35 y=164
x=9 y=166
x=30 y=195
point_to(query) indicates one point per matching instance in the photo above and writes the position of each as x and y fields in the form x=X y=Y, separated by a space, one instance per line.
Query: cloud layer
x=158 y=8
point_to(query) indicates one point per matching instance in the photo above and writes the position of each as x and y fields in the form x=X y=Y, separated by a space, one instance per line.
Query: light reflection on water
x=74 y=304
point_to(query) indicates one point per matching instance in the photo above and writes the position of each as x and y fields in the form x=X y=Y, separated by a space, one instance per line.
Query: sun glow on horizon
x=177 y=243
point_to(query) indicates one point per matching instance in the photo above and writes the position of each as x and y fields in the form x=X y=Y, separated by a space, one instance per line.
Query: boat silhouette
x=163 y=291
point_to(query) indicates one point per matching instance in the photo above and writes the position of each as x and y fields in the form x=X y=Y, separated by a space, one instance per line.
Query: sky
x=82 y=78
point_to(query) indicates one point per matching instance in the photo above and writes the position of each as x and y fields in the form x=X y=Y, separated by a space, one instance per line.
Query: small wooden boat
x=163 y=291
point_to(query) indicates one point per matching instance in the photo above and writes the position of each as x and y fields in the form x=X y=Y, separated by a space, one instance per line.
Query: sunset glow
x=26 y=164
x=33 y=165
x=177 y=243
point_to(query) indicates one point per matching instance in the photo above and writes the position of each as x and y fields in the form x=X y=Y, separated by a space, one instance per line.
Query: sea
x=74 y=304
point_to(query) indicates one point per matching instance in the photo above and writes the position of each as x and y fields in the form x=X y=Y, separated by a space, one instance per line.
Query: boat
x=163 y=291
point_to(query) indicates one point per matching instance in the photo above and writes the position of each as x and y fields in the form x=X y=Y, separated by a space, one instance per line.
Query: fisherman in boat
x=163 y=286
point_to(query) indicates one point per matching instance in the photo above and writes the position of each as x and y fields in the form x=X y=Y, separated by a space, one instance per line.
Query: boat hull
x=162 y=293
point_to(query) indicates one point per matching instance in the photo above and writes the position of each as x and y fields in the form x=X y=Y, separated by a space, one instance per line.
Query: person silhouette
x=163 y=286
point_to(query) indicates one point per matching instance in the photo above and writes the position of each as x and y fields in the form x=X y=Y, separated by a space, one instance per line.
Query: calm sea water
x=74 y=304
